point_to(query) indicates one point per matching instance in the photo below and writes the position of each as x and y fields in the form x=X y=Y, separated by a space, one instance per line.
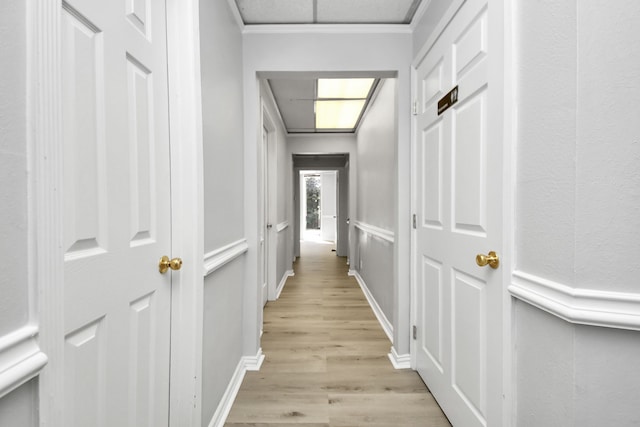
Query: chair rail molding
x=217 y=258
x=578 y=305
x=20 y=358
x=383 y=234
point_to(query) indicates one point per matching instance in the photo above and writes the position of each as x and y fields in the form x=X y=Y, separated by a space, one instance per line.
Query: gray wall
x=376 y=195
x=221 y=69
x=20 y=407
x=578 y=194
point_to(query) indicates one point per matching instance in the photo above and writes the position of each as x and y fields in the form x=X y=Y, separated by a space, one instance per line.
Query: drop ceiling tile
x=275 y=11
x=285 y=89
x=297 y=115
x=295 y=101
x=364 y=11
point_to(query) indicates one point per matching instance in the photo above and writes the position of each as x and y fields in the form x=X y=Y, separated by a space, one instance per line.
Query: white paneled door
x=328 y=205
x=117 y=213
x=458 y=181
x=265 y=227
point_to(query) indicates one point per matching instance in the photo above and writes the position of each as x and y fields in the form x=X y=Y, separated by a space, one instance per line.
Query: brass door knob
x=166 y=264
x=491 y=259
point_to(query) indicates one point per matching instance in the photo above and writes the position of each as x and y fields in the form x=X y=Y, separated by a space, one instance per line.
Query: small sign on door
x=448 y=100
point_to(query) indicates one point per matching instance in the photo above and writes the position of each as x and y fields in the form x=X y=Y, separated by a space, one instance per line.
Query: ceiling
x=294 y=96
x=260 y=12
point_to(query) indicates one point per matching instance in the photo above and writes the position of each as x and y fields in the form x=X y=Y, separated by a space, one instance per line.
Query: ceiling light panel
x=366 y=11
x=344 y=88
x=338 y=114
x=276 y=11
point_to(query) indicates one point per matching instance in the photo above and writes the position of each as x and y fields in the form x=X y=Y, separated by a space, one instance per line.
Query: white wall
x=376 y=196
x=19 y=407
x=578 y=228
x=333 y=50
x=222 y=111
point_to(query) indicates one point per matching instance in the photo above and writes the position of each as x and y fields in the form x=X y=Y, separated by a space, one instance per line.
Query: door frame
x=505 y=36
x=271 y=215
x=45 y=165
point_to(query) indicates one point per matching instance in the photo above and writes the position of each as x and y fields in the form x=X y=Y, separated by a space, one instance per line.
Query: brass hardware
x=166 y=264
x=491 y=259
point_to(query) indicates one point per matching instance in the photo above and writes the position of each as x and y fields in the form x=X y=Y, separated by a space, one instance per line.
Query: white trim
x=387 y=235
x=247 y=363
x=399 y=361
x=382 y=319
x=217 y=258
x=327 y=29
x=20 y=358
x=283 y=281
x=282 y=226
x=272 y=101
x=575 y=305
x=44 y=134
x=187 y=211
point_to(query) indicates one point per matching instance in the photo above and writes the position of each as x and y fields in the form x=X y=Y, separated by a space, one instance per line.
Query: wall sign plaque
x=448 y=100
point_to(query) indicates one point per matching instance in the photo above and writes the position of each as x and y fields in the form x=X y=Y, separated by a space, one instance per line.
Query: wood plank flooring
x=326 y=359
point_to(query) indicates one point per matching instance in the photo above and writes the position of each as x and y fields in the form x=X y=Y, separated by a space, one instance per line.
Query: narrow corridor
x=326 y=358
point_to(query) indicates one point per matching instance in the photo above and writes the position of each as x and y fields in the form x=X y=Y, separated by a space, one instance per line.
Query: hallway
x=326 y=358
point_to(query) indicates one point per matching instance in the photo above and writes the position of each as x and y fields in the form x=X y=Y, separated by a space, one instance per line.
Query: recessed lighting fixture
x=340 y=102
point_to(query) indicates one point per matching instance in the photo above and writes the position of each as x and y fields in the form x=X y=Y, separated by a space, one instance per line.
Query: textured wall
x=578 y=193
x=14 y=308
x=20 y=407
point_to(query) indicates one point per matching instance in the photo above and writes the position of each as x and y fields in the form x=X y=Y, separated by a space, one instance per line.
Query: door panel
x=116 y=213
x=459 y=205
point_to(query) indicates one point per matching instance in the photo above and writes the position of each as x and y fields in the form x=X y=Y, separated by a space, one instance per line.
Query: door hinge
x=414 y=109
x=415 y=221
x=415 y=332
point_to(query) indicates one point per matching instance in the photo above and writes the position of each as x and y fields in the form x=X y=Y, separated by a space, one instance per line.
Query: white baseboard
x=247 y=363
x=399 y=361
x=287 y=274
x=384 y=322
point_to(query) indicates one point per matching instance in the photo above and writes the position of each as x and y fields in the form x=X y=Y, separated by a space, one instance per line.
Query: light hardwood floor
x=326 y=359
